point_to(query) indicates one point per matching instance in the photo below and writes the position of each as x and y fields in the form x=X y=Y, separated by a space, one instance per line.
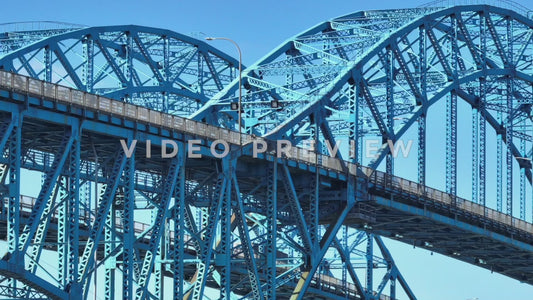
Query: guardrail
x=422 y=191
x=507 y=4
x=55 y=92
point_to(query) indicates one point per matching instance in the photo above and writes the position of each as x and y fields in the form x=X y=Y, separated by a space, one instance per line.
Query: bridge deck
x=41 y=89
x=399 y=208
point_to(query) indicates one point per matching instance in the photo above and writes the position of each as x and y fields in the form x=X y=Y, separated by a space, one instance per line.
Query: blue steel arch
x=355 y=76
x=314 y=66
x=15 y=35
x=153 y=67
x=321 y=120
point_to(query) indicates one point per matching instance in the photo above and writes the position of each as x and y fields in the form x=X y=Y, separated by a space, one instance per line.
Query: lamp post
x=240 y=79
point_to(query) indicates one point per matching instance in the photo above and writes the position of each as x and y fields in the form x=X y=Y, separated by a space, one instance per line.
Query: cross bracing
x=289 y=225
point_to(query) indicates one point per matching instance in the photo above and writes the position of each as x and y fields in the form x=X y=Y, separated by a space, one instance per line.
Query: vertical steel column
x=14 y=158
x=46 y=189
x=129 y=69
x=107 y=196
x=389 y=69
x=47 y=64
x=422 y=149
x=369 y=264
x=352 y=106
x=166 y=192
x=510 y=50
x=315 y=187
x=166 y=69
x=314 y=208
x=85 y=202
x=179 y=230
x=499 y=165
x=225 y=231
x=451 y=117
x=166 y=58
x=475 y=154
x=165 y=251
x=128 y=228
x=200 y=79
x=482 y=102
x=239 y=216
x=345 y=266
x=523 y=177
x=509 y=144
x=482 y=145
x=13 y=204
x=451 y=144
x=271 y=227
x=73 y=205
x=359 y=130
x=110 y=260
x=159 y=279
x=422 y=119
x=208 y=228
x=354 y=122
x=62 y=232
x=499 y=138
x=475 y=131
x=510 y=115
x=88 y=54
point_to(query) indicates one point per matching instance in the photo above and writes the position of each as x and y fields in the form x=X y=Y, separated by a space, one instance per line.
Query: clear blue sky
x=258 y=27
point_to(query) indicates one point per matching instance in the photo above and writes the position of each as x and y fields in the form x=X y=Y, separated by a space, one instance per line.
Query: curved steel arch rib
x=157 y=68
x=355 y=76
x=308 y=68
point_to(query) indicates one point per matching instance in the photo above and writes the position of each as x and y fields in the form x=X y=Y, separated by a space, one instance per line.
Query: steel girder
x=475 y=53
x=420 y=56
x=382 y=102
x=228 y=196
x=19 y=34
x=156 y=68
x=205 y=203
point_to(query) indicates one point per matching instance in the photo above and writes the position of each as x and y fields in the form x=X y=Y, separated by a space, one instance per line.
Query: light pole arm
x=240 y=79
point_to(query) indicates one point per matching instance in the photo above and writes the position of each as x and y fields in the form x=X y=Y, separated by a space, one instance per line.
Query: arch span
x=376 y=75
x=157 y=68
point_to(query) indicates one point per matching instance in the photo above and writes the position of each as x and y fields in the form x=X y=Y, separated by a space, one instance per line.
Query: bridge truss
x=275 y=226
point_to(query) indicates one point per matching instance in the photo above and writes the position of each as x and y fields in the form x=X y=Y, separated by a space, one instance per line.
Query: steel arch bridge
x=156 y=68
x=94 y=110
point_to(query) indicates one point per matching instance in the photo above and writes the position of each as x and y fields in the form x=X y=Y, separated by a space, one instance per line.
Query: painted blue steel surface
x=265 y=227
x=157 y=68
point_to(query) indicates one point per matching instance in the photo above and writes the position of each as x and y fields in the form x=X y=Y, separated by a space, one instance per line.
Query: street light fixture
x=240 y=79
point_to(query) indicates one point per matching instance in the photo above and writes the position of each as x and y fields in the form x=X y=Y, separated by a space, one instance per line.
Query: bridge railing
x=55 y=92
x=424 y=192
x=508 y=4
